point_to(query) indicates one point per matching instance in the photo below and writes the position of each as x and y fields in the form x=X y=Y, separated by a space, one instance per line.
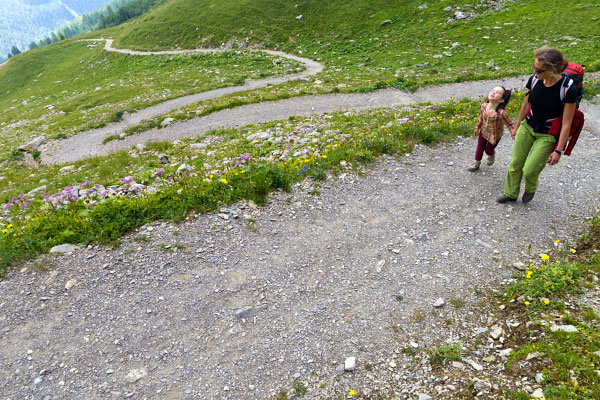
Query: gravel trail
x=220 y=308
x=226 y=307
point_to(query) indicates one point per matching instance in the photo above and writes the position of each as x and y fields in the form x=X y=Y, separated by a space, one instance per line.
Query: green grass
x=88 y=87
x=570 y=362
x=351 y=138
x=445 y=354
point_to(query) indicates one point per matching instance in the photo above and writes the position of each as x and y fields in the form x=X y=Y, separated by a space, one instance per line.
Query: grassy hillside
x=72 y=85
x=367 y=41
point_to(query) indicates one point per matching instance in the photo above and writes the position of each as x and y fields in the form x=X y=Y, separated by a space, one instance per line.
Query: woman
x=534 y=146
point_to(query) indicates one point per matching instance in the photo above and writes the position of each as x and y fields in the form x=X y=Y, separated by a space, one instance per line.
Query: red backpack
x=573 y=75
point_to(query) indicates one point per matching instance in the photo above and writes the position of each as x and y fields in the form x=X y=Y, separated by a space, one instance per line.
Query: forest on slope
x=26 y=21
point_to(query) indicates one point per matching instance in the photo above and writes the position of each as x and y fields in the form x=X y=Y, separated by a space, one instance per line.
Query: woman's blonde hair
x=551 y=59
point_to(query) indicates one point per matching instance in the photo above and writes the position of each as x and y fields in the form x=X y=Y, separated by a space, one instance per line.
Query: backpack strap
x=534 y=81
x=567 y=83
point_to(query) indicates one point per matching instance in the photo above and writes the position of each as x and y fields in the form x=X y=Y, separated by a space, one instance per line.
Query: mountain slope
x=24 y=21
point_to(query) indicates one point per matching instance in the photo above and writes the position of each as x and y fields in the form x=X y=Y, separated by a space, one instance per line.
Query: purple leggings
x=484 y=145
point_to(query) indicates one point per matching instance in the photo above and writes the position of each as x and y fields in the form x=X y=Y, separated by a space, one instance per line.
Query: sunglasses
x=538 y=70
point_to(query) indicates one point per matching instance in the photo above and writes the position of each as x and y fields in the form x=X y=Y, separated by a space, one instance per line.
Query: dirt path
x=218 y=307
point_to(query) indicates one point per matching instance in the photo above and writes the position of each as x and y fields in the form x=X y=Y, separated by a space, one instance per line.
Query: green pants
x=530 y=155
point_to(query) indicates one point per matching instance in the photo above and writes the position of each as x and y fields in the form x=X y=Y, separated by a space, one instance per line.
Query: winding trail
x=210 y=309
x=89 y=143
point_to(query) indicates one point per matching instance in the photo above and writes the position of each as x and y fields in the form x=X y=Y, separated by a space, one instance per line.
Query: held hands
x=554 y=157
x=513 y=132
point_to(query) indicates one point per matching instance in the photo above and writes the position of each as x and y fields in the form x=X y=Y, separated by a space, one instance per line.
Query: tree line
x=114 y=13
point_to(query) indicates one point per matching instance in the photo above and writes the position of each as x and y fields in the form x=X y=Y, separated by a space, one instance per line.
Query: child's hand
x=513 y=132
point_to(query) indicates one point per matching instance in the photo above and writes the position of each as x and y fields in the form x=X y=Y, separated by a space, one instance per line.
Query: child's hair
x=505 y=97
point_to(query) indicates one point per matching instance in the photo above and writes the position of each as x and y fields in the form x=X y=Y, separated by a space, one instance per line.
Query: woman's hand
x=554 y=157
x=513 y=132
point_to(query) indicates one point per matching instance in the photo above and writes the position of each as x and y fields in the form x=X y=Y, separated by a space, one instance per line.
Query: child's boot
x=491 y=159
x=475 y=166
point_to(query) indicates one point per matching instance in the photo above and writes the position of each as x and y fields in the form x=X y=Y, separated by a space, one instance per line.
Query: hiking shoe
x=491 y=159
x=527 y=197
x=505 y=199
x=475 y=166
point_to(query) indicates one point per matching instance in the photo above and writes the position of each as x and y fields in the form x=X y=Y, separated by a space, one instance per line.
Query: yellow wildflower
x=545 y=257
x=573 y=250
x=9 y=226
x=546 y=301
x=211 y=176
x=224 y=181
x=5 y=231
x=527 y=303
x=351 y=393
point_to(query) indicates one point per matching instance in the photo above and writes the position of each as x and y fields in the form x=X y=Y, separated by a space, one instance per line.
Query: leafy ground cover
x=562 y=327
x=99 y=199
x=73 y=86
x=369 y=44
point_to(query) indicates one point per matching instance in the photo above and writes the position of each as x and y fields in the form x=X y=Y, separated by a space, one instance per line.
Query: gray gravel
x=217 y=307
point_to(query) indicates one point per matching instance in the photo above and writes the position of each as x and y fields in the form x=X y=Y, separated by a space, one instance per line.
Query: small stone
x=135 y=375
x=340 y=369
x=38 y=380
x=496 y=332
x=539 y=377
x=533 y=354
x=538 y=394
x=439 y=303
x=564 y=328
x=458 y=364
x=474 y=365
x=489 y=359
x=70 y=283
x=64 y=248
x=350 y=364
x=109 y=371
x=423 y=396
x=505 y=352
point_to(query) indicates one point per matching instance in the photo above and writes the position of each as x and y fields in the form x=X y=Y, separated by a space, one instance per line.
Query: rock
x=423 y=396
x=135 y=375
x=539 y=377
x=38 y=380
x=496 y=332
x=247 y=312
x=64 y=248
x=422 y=6
x=474 y=365
x=458 y=364
x=36 y=190
x=489 y=359
x=340 y=369
x=350 y=364
x=564 y=328
x=379 y=265
x=70 y=283
x=167 y=121
x=33 y=144
x=67 y=168
x=533 y=354
x=505 y=352
x=164 y=159
x=439 y=303
x=184 y=170
x=538 y=394
x=258 y=135
x=386 y=22
x=520 y=266
x=460 y=15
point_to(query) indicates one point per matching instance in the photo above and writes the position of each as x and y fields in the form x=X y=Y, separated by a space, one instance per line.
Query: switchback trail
x=219 y=307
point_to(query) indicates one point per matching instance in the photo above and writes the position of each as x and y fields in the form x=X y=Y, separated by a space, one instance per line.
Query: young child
x=490 y=125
